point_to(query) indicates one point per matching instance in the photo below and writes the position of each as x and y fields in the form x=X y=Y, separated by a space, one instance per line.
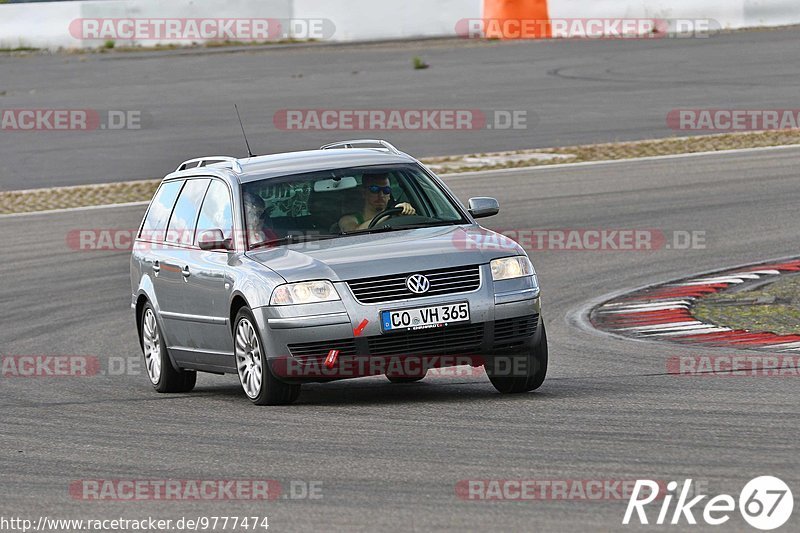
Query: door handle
x=156 y=266
x=186 y=273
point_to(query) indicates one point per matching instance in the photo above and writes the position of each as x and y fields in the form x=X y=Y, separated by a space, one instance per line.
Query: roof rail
x=353 y=143
x=211 y=160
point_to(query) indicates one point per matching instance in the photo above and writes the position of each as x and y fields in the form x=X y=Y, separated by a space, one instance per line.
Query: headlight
x=307 y=292
x=512 y=267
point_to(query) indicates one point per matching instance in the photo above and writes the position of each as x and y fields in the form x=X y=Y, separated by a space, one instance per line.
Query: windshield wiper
x=384 y=229
x=291 y=239
x=431 y=224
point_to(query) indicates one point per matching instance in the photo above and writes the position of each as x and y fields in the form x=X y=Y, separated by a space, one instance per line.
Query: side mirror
x=213 y=239
x=483 y=207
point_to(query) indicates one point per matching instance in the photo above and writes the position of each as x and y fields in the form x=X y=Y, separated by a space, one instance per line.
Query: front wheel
x=257 y=380
x=163 y=376
x=520 y=372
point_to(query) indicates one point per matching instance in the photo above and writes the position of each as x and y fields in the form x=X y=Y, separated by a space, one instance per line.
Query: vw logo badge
x=418 y=284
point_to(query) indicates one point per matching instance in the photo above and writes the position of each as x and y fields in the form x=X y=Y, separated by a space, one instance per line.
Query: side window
x=155 y=224
x=397 y=181
x=435 y=197
x=184 y=216
x=216 y=212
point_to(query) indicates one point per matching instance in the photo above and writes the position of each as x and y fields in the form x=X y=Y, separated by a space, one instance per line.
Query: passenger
x=254 y=208
x=376 y=191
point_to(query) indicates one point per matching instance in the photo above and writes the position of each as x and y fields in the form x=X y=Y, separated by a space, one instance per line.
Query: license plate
x=424 y=317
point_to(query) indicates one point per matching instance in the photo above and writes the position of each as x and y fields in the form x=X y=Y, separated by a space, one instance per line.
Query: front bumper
x=502 y=315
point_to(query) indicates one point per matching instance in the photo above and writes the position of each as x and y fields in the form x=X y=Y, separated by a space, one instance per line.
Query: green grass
x=774 y=308
x=419 y=63
x=20 y=49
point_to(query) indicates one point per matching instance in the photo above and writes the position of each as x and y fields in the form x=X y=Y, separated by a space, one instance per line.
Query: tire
x=163 y=376
x=532 y=364
x=257 y=380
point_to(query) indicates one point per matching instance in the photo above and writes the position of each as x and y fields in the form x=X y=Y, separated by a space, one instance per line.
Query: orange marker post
x=516 y=19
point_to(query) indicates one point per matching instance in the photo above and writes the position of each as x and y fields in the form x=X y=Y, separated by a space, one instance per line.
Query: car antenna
x=249 y=151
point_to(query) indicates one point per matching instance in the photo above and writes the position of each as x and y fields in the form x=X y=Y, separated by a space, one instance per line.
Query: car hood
x=380 y=254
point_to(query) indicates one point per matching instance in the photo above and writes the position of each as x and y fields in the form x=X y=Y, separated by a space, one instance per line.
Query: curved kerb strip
x=663 y=312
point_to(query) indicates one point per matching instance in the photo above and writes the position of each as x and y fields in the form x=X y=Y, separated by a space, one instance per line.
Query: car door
x=209 y=283
x=172 y=284
x=152 y=252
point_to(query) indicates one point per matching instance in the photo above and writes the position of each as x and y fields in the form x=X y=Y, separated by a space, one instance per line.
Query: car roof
x=269 y=166
x=288 y=163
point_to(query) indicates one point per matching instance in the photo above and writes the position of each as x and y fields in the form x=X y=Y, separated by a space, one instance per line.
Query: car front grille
x=309 y=352
x=460 y=339
x=447 y=340
x=391 y=288
x=510 y=331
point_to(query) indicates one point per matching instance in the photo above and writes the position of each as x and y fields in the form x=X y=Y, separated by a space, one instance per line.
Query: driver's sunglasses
x=375 y=189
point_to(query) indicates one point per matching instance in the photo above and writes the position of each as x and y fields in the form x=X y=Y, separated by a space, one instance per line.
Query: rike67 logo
x=765 y=503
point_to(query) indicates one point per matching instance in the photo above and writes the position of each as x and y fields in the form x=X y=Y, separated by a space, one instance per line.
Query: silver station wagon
x=348 y=261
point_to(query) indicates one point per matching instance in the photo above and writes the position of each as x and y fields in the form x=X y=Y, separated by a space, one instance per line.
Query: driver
x=376 y=190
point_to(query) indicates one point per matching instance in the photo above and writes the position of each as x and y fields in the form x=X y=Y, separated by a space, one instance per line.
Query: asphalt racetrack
x=390 y=456
x=573 y=92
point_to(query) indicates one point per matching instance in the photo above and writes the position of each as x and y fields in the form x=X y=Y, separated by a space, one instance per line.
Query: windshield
x=350 y=201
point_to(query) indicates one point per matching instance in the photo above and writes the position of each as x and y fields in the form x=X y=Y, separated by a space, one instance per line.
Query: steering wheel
x=383 y=214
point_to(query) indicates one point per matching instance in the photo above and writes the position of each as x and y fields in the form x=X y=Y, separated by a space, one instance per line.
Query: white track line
x=494 y=171
x=789 y=346
x=707 y=282
x=636 y=311
x=71 y=209
x=627 y=305
x=697 y=331
x=668 y=325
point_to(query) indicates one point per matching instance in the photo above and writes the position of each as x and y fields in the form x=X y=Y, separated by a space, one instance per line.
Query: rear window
x=155 y=223
x=184 y=216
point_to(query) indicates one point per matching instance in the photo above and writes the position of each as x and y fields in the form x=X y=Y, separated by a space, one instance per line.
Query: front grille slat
x=456 y=282
x=454 y=275
x=392 y=288
x=449 y=340
x=364 y=284
x=514 y=330
x=421 y=343
x=381 y=291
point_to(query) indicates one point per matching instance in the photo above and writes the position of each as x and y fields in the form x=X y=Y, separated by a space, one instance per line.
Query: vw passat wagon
x=348 y=261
